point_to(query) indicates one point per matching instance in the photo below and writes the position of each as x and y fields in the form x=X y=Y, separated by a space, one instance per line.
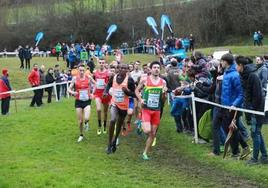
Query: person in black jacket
x=49 y=79
x=58 y=79
x=254 y=100
x=201 y=87
x=27 y=56
x=21 y=56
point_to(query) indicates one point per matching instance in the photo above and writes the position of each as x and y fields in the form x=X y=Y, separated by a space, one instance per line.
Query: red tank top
x=102 y=79
x=82 y=88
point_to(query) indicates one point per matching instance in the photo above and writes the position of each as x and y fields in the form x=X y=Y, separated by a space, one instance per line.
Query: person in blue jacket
x=231 y=95
x=186 y=43
x=256 y=39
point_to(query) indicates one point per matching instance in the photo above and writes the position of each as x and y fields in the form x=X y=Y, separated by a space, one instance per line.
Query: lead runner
x=154 y=89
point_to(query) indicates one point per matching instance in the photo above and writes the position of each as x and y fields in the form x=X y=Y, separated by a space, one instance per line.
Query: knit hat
x=4 y=72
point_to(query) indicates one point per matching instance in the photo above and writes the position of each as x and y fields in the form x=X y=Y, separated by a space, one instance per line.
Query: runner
x=82 y=94
x=154 y=88
x=101 y=76
x=120 y=86
x=133 y=103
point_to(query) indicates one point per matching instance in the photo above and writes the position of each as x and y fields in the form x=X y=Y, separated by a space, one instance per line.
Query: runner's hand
x=125 y=89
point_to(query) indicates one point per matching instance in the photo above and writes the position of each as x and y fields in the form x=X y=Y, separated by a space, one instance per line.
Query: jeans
x=36 y=98
x=257 y=138
x=5 y=105
x=243 y=130
x=222 y=117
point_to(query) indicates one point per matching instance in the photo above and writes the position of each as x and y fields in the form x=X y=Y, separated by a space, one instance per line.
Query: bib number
x=153 y=100
x=118 y=95
x=83 y=95
x=100 y=84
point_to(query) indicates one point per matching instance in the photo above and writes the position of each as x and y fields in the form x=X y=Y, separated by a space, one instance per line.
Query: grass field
x=38 y=149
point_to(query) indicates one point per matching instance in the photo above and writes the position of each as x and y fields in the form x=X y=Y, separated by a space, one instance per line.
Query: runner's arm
x=138 y=89
x=91 y=79
x=109 y=85
x=130 y=90
x=71 y=87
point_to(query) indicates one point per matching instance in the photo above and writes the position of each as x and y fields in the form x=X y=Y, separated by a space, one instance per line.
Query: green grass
x=38 y=149
x=249 y=50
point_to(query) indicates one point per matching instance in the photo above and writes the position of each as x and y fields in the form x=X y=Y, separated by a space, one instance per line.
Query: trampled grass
x=38 y=149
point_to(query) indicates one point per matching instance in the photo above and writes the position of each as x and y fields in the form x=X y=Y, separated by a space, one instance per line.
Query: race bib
x=83 y=95
x=118 y=95
x=100 y=84
x=153 y=100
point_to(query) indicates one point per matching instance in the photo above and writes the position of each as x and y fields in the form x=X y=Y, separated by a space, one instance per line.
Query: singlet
x=82 y=88
x=101 y=79
x=152 y=94
x=119 y=98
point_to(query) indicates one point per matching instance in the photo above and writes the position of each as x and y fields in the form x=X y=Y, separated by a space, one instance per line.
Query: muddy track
x=195 y=169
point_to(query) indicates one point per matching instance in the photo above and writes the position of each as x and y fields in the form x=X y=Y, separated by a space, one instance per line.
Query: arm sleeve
x=131 y=87
x=109 y=85
x=264 y=76
x=254 y=91
x=237 y=88
x=8 y=84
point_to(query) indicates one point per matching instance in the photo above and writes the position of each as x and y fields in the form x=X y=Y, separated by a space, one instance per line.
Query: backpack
x=205 y=125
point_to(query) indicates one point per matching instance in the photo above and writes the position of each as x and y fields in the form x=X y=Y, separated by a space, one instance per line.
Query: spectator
x=49 y=79
x=34 y=80
x=64 y=78
x=58 y=50
x=186 y=43
x=5 y=87
x=64 y=51
x=28 y=57
x=260 y=38
x=71 y=59
x=255 y=100
x=42 y=81
x=262 y=73
x=58 y=79
x=231 y=95
x=173 y=82
x=21 y=56
x=192 y=43
x=256 y=39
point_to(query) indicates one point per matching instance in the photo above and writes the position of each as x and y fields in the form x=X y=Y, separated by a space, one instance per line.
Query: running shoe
x=139 y=128
x=154 y=142
x=86 y=128
x=124 y=132
x=109 y=150
x=117 y=141
x=99 y=131
x=252 y=162
x=136 y=121
x=129 y=129
x=104 y=130
x=145 y=157
x=80 y=138
x=113 y=146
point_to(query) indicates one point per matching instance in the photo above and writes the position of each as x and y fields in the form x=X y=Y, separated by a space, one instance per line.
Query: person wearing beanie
x=5 y=97
x=34 y=80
